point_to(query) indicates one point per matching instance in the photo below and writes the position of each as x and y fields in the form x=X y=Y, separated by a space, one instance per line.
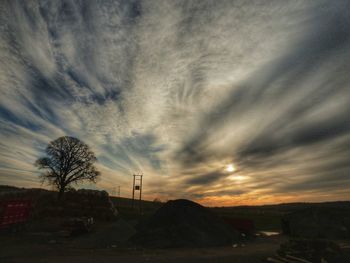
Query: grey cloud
x=324 y=41
x=205 y=179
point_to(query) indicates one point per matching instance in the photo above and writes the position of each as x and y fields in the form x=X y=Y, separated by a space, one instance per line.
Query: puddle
x=269 y=233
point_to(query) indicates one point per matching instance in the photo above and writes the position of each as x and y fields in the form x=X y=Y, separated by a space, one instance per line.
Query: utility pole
x=137 y=186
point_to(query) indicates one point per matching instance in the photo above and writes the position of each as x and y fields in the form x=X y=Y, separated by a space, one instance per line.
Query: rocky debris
x=97 y=193
x=22 y=194
x=317 y=223
x=183 y=223
x=105 y=235
x=310 y=251
x=78 y=226
x=80 y=203
x=7 y=189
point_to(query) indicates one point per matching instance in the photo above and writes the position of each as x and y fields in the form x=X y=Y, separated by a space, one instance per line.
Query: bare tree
x=68 y=161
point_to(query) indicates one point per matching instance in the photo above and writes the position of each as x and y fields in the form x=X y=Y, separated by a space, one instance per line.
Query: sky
x=222 y=102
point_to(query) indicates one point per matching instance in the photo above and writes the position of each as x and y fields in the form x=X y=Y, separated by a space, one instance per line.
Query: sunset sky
x=222 y=102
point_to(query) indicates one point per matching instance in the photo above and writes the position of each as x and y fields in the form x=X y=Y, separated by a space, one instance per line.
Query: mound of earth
x=183 y=223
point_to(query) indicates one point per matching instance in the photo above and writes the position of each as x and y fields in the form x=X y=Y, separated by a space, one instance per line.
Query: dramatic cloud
x=179 y=90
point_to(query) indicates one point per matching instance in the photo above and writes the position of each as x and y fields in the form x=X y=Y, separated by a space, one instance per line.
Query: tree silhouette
x=68 y=161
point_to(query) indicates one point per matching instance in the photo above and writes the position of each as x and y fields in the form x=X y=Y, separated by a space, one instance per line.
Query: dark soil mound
x=182 y=223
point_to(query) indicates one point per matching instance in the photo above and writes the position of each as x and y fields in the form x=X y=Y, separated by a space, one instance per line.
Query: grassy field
x=264 y=218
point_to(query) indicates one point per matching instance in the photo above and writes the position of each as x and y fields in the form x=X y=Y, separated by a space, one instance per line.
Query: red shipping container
x=14 y=212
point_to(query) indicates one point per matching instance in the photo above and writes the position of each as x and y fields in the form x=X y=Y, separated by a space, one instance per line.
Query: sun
x=230 y=168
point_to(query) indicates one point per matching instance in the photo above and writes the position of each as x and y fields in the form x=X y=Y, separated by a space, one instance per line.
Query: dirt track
x=20 y=249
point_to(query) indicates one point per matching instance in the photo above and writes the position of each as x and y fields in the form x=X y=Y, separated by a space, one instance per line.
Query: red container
x=14 y=212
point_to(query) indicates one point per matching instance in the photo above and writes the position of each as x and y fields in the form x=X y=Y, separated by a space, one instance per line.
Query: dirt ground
x=46 y=244
x=251 y=253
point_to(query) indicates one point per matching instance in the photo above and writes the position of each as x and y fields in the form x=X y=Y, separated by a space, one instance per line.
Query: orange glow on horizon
x=256 y=199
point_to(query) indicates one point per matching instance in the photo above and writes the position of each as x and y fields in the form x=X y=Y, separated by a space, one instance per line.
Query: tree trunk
x=61 y=192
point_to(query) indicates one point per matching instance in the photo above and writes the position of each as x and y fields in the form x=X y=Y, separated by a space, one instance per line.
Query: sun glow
x=230 y=168
x=237 y=178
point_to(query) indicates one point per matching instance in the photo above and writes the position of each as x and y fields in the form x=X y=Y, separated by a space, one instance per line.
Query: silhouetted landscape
x=175 y=131
x=194 y=233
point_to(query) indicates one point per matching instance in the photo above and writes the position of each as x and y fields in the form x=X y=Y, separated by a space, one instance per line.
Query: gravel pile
x=183 y=223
